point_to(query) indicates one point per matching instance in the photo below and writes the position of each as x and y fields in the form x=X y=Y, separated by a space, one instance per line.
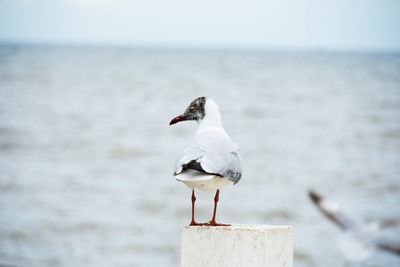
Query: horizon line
x=194 y=47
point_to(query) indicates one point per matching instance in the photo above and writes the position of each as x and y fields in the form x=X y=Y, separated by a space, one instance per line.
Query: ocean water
x=87 y=155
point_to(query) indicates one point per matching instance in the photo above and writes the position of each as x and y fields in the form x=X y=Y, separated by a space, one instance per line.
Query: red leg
x=193 y=223
x=212 y=222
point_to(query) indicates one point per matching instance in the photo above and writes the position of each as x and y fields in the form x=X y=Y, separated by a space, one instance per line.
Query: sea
x=87 y=153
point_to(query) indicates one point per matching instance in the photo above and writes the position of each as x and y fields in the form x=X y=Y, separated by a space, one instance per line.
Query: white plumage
x=213 y=149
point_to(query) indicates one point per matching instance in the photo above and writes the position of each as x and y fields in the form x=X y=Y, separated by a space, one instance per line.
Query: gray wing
x=227 y=165
x=349 y=223
x=334 y=213
x=215 y=154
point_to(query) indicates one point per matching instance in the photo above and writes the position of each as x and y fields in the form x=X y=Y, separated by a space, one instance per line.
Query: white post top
x=237 y=245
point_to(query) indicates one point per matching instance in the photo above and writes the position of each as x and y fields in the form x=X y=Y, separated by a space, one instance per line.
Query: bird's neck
x=213 y=121
x=212 y=116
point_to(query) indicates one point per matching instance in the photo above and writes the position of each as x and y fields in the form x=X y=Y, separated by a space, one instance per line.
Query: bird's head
x=195 y=111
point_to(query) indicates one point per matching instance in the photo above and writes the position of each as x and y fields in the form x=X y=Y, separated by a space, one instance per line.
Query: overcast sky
x=312 y=24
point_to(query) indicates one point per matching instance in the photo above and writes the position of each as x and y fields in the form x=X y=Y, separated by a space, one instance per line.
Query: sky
x=288 y=24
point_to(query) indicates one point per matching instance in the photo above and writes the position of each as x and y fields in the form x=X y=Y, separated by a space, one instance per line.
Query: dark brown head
x=194 y=112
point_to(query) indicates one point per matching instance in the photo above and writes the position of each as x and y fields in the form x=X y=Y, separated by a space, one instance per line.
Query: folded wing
x=212 y=153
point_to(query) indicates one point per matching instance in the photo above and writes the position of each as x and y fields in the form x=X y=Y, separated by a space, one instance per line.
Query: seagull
x=348 y=223
x=211 y=160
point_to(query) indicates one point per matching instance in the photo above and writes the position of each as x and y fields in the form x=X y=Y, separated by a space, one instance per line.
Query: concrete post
x=237 y=245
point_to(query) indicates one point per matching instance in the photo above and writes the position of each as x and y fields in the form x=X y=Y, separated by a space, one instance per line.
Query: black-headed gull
x=211 y=160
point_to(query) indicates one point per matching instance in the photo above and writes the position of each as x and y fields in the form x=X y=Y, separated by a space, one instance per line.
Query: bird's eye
x=191 y=109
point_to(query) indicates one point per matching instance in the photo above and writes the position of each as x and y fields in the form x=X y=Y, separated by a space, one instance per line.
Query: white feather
x=214 y=150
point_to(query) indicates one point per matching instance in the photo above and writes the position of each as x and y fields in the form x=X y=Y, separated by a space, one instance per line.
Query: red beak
x=177 y=119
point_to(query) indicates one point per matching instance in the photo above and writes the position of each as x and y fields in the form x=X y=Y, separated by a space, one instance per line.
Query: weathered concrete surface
x=237 y=245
